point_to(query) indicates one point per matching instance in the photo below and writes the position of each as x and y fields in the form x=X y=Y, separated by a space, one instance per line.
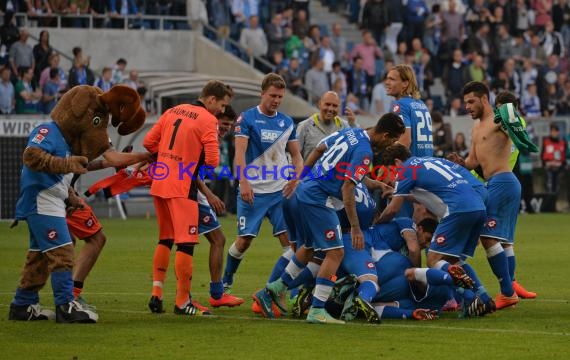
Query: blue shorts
x=457 y=234
x=250 y=217
x=434 y=297
x=290 y=216
x=397 y=289
x=502 y=207
x=357 y=262
x=207 y=220
x=47 y=232
x=320 y=228
x=390 y=266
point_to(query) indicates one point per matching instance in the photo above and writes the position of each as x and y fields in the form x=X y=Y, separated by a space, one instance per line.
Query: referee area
x=119 y=286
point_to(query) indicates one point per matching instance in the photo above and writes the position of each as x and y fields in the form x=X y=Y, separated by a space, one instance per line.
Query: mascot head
x=84 y=112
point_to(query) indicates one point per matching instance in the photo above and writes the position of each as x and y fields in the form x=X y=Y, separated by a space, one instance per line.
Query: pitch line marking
x=354 y=324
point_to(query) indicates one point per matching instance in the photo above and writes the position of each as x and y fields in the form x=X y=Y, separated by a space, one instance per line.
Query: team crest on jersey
x=330 y=235
x=396 y=108
x=440 y=239
x=239 y=119
x=193 y=230
x=491 y=223
x=360 y=172
x=269 y=135
x=281 y=123
x=38 y=139
x=52 y=234
x=90 y=222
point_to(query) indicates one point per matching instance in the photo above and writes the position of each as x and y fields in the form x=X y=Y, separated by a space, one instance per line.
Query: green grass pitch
x=120 y=286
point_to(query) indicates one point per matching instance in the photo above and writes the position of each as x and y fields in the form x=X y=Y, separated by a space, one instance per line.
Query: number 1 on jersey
x=173 y=137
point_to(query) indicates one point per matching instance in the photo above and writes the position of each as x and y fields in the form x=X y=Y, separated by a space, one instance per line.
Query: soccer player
x=185 y=138
x=448 y=195
x=491 y=149
x=262 y=135
x=507 y=97
x=402 y=85
x=320 y=125
x=84 y=225
x=344 y=159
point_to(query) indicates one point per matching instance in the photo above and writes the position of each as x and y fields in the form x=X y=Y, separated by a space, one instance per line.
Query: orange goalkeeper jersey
x=185 y=138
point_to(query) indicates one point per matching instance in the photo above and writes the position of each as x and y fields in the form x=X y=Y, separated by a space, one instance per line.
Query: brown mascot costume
x=55 y=151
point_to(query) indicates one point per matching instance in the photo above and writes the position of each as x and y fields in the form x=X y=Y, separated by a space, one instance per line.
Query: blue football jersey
x=365 y=208
x=348 y=157
x=40 y=192
x=266 y=160
x=416 y=116
x=434 y=184
x=477 y=185
x=390 y=235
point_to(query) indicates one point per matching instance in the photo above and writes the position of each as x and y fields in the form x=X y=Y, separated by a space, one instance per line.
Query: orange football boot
x=522 y=292
x=502 y=301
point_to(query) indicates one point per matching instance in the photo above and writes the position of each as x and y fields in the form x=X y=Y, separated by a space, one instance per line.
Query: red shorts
x=177 y=219
x=83 y=223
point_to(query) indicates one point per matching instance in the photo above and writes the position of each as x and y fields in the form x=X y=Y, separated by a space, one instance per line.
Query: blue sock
x=25 y=297
x=216 y=289
x=322 y=291
x=278 y=268
x=62 y=285
x=297 y=267
x=391 y=312
x=478 y=287
x=438 y=277
x=512 y=265
x=468 y=295
x=510 y=253
x=499 y=264
x=367 y=290
x=305 y=278
x=232 y=264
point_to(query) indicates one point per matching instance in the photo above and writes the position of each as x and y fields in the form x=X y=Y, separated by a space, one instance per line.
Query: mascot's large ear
x=124 y=105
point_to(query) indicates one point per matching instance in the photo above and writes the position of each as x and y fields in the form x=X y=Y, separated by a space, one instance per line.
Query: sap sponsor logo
x=269 y=135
